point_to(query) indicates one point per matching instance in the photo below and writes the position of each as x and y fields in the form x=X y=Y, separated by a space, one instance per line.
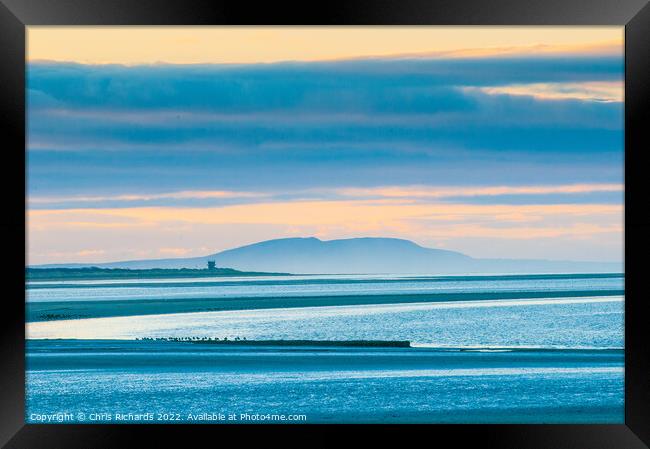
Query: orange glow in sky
x=191 y=45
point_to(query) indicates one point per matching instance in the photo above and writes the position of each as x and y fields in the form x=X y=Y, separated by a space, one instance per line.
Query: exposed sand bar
x=66 y=310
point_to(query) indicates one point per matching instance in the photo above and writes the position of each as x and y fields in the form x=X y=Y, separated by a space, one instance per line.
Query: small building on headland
x=212 y=265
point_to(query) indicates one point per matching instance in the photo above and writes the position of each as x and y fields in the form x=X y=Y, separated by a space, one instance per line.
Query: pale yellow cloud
x=442 y=192
x=186 y=45
x=90 y=252
x=359 y=215
x=180 y=195
x=606 y=91
x=174 y=251
x=386 y=192
x=576 y=230
x=74 y=255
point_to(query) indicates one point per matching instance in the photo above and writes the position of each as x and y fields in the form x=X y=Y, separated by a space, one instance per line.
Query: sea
x=482 y=349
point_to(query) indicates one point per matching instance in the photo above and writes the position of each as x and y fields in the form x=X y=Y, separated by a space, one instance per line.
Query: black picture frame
x=15 y=15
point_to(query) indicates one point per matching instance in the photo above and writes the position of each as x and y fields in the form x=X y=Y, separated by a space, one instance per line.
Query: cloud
x=220 y=122
x=588 y=91
x=430 y=149
x=420 y=193
x=319 y=85
x=177 y=252
x=90 y=252
x=209 y=194
x=250 y=126
x=321 y=213
x=458 y=192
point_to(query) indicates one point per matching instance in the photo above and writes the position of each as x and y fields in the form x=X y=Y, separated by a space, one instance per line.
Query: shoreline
x=294 y=279
x=33 y=274
x=82 y=309
x=285 y=343
x=173 y=344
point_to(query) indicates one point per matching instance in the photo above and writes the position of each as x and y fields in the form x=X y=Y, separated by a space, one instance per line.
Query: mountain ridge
x=362 y=255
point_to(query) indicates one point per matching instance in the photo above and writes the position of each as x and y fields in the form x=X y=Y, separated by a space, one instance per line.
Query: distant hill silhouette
x=356 y=255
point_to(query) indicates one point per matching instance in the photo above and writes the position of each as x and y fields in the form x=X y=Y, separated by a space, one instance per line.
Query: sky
x=147 y=142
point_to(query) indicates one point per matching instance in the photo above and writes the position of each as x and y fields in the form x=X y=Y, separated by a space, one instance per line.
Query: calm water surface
x=553 y=359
